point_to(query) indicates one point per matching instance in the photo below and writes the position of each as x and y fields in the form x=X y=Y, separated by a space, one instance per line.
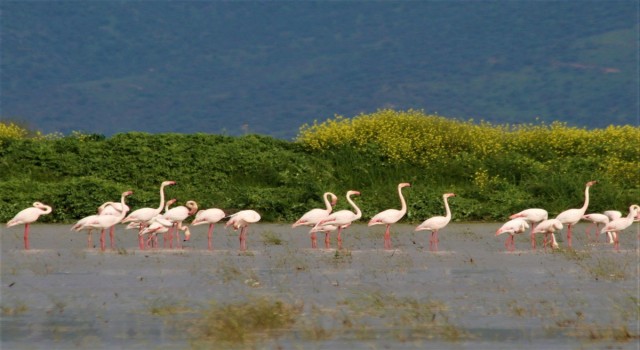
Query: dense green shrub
x=494 y=170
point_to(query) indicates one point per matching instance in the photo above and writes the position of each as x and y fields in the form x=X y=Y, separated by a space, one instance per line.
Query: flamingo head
x=591 y=183
x=334 y=199
x=447 y=195
x=193 y=207
x=168 y=183
x=187 y=234
x=171 y=201
x=352 y=192
x=404 y=184
x=127 y=193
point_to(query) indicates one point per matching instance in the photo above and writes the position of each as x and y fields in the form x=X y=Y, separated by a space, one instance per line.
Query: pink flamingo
x=143 y=215
x=533 y=216
x=391 y=216
x=241 y=220
x=107 y=221
x=548 y=228
x=155 y=226
x=436 y=223
x=177 y=215
x=211 y=217
x=512 y=227
x=571 y=217
x=82 y=225
x=327 y=229
x=342 y=218
x=313 y=216
x=111 y=208
x=621 y=224
x=596 y=220
x=27 y=216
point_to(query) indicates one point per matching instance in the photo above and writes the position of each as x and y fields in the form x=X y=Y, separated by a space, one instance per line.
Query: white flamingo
x=533 y=216
x=28 y=216
x=512 y=227
x=548 y=228
x=177 y=215
x=209 y=216
x=596 y=220
x=107 y=221
x=313 y=216
x=391 y=216
x=436 y=223
x=142 y=215
x=621 y=224
x=342 y=218
x=241 y=220
x=571 y=217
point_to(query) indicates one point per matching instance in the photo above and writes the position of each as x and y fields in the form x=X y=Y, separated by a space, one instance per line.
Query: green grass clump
x=245 y=321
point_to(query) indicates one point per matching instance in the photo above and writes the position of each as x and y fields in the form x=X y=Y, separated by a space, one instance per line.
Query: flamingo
x=143 y=215
x=342 y=218
x=156 y=225
x=82 y=225
x=327 y=229
x=211 y=217
x=512 y=227
x=111 y=208
x=313 y=216
x=571 y=217
x=391 y=216
x=621 y=224
x=177 y=215
x=241 y=220
x=436 y=223
x=549 y=227
x=27 y=216
x=596 y=219
x=107 y=221
x=533 y=216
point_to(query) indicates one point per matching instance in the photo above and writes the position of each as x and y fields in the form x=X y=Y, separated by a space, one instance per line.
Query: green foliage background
x=495 y=170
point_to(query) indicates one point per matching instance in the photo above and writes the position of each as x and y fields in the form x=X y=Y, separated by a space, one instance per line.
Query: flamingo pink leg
x=111 y=240
x=243 y=239
x=569 y=235
x=141 y=243
x=178 y=242
x=327 y=240
x=340 y=237
x=26 y=236
x=102 y=239
x=533 y=237
x=617 y=242
x=314 y=240
x=89 y=240
x=210 y=237
x=387 y=237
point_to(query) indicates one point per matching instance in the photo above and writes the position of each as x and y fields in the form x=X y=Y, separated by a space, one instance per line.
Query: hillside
x=233 y=67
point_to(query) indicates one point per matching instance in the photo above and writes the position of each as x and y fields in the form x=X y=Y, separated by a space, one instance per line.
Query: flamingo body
x=391 y=216
x=28 y=216
x=342 y=218
x=571 y=217
x=436 y=223
x=241 y=220
x=211 y=217
x=548 y=228
x=621 y=224
x=512 y=227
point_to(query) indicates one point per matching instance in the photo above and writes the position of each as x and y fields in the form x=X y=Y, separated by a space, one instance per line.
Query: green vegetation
x=243 y=322
x=495 y=170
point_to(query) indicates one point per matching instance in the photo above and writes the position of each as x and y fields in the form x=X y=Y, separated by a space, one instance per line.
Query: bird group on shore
x=169 y=221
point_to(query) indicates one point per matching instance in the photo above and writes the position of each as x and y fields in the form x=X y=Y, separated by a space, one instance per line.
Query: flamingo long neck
x=123 y=213
x=46 y=209
x=446 y=207
x=403 y=209
x=358 y=212
x=586 y=200
x=161 y=199
x=327 y=203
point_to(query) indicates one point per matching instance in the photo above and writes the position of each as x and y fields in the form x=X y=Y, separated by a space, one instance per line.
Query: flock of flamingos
x=152 y=221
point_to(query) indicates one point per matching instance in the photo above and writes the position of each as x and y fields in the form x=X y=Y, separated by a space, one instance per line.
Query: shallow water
x=60 y=294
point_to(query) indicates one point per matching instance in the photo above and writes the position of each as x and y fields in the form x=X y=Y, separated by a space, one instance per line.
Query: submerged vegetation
x=495 y=170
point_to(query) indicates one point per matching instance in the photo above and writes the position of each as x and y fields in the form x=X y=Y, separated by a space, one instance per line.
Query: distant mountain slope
x=117 y=66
